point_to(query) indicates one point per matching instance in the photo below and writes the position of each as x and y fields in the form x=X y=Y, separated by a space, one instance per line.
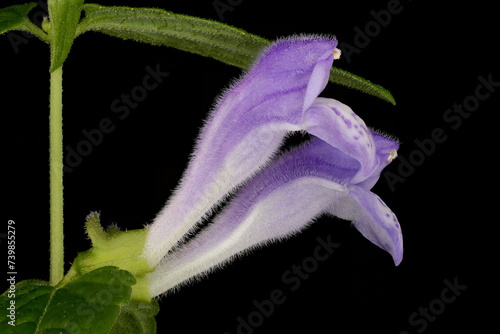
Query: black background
x=428 y=56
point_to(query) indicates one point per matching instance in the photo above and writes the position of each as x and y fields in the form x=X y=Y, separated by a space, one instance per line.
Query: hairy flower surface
x=243 y=131
x=277 y=196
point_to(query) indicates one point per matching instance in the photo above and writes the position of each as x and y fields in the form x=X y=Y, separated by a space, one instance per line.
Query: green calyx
x=122 y=249
x=105 y=292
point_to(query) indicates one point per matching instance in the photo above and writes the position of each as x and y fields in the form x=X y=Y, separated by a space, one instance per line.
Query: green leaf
x=90 y=303
x=204 y=37
x=15 y=17
x=350 y=80
x=64 y=17
x=159 y=27
x=137 y=318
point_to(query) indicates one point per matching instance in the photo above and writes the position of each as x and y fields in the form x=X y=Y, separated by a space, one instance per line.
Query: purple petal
x=243 y=132
x=386 y=152
x=281 y=200
x=376 y=222
x=338 y=125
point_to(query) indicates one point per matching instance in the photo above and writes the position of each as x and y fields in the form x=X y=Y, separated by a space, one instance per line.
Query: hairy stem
x=33 y=29
x=56 y=179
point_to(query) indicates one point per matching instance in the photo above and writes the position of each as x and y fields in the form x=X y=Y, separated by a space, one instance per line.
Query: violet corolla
x=274 y=196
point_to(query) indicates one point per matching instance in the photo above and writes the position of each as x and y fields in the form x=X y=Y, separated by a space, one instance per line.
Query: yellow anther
x=336 y=53
x=392 y=155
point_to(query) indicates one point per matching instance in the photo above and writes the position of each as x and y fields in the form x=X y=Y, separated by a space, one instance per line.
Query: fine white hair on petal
x=269 y=97
x=279 y=215
x=385 y=134
x=281 y=200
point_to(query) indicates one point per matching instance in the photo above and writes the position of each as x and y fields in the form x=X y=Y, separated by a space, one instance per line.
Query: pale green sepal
x=140 y=291
x=122 y=249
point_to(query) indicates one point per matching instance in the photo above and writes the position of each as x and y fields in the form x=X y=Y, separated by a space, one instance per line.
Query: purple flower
x=243 y=131
x=284 y=198
x=331 y=174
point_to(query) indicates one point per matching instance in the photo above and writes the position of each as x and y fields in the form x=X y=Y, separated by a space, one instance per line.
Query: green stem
x=56 y=179
x=33 y=29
